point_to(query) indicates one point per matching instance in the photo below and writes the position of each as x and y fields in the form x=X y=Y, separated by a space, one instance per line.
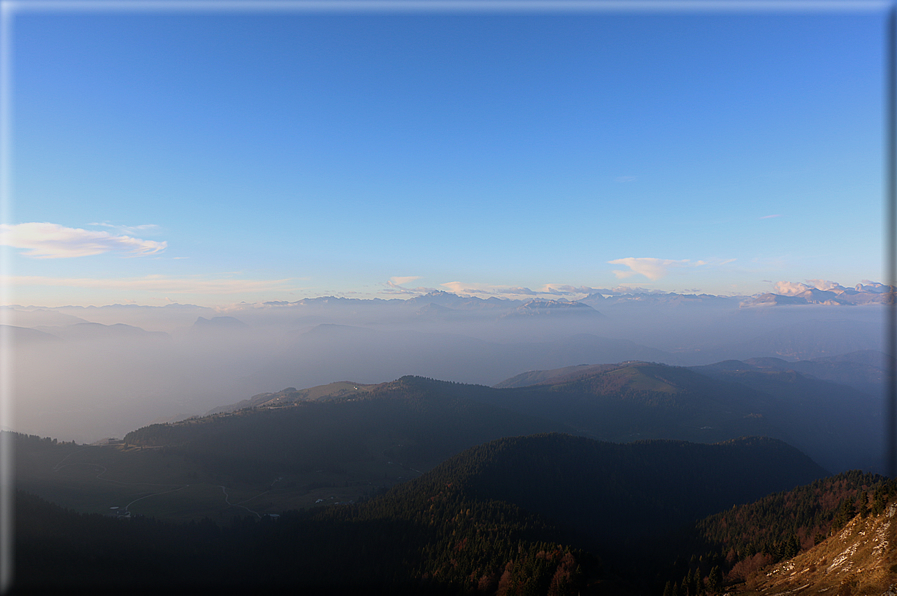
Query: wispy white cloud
x=625 y=179
x=156 y=283
x=403 y=280
x=655 y=269
x=771 y=216
x=44 y=240
x=394 y=285
x=141 y=229
x=650 y=267
x=567 y=290
x=790 y=288
x=824 y=284
x=469 y=289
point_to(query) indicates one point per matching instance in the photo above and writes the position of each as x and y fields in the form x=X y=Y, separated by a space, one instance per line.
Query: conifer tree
x=697 y=582
x=715 y=579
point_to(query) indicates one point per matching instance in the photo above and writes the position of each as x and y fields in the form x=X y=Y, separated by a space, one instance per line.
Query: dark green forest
x=527 y=515
x=635 y=478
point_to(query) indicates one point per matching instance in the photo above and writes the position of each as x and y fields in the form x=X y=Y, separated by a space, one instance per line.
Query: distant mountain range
x=123 y=366
x=838 y=426
x=203 y=323
x=834 y=296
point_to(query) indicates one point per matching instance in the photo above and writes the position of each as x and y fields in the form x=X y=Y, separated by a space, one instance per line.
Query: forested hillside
x=510 y=509
x=415 y=422
x=739 y=541
x=423 y=421
x=516 y=515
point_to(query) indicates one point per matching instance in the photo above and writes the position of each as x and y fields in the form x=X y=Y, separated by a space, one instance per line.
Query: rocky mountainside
x=859 y=559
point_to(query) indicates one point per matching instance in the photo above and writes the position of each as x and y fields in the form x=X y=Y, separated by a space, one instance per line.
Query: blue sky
x=213 y=158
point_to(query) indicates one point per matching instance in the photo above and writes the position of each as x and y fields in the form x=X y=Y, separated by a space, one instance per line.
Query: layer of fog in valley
x=85 y=373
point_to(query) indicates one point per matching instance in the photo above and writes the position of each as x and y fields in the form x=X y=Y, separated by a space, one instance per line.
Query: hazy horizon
x=87 y=373
x=236 y=160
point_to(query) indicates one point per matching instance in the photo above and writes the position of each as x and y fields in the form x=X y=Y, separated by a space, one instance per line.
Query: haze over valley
x=113 y=369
